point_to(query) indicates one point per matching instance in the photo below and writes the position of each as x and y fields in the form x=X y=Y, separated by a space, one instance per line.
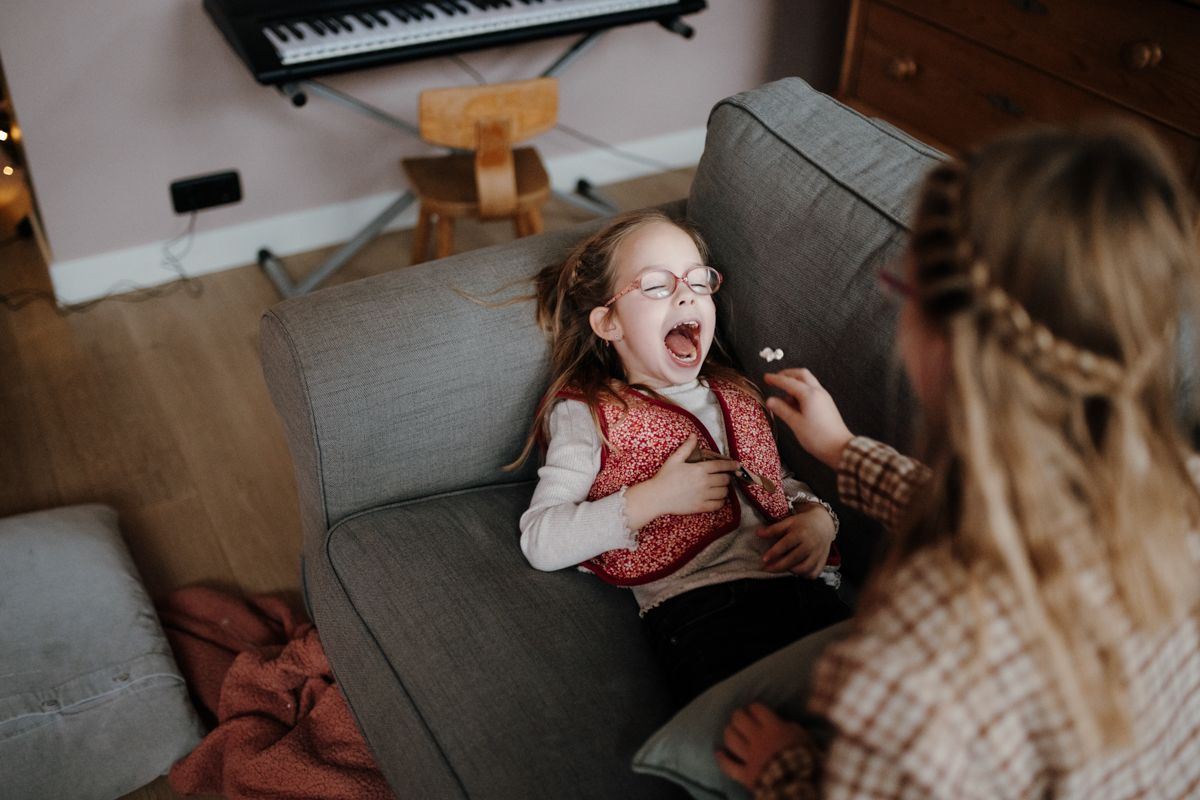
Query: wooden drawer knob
x=902 y=68
x=1142 y=55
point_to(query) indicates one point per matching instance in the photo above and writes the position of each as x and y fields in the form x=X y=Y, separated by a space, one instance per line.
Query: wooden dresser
x=954 y=72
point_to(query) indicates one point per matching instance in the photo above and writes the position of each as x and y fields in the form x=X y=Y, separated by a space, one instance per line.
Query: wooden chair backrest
x=450 y=117
x=489 y=120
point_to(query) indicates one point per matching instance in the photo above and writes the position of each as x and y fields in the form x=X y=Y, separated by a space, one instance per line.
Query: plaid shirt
x=921 y=711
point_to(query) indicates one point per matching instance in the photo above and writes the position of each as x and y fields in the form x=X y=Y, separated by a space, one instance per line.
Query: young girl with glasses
x=1036 y=629
x=661 y=472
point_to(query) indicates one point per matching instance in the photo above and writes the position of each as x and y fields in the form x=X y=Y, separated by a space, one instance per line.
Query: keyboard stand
x=585 y=197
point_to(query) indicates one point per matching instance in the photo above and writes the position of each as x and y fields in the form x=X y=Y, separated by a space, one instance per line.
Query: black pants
x=703 y=636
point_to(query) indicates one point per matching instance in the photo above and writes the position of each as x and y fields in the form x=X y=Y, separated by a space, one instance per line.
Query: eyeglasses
x=659 y=284
x=895 y=284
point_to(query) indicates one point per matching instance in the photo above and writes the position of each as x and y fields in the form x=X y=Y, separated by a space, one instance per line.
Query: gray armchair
x=470 y=673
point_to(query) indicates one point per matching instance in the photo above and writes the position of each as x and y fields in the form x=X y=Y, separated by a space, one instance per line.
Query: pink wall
x=117 y=99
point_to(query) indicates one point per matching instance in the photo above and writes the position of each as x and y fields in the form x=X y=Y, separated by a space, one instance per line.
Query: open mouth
x=683 y=343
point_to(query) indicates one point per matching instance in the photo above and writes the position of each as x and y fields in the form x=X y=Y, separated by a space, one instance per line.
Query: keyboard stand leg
x=273 y=267
x=269 y=262
x=351 y=102
x=573 y=52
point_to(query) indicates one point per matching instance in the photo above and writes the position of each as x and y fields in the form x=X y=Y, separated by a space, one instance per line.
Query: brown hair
x=1058 y=266
x=566 y=293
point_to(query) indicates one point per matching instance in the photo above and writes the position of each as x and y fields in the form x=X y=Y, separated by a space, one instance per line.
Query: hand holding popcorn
x=810 y=413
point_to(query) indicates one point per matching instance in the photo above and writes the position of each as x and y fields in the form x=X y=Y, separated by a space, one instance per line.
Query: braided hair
x=1058 y=266
x=952 y=277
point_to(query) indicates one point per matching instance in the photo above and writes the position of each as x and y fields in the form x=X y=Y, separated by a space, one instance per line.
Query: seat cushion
x=446 y=184
x=91 y=702
x=521 y=680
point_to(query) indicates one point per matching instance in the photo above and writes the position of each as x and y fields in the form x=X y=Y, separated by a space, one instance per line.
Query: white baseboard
x=89 y=277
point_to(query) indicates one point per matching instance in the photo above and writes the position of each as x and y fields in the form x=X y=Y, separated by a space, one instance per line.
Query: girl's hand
x=803 y=542
x=753 y=737
x=811 y=414
x=679 y=487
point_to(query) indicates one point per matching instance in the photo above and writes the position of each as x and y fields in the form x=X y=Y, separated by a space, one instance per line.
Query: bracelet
x=808 y=497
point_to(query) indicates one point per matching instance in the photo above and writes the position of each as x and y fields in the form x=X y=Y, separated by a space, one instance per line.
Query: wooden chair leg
x=519 y=224
x=533 y=220
x=445 y=236
x=420 y=242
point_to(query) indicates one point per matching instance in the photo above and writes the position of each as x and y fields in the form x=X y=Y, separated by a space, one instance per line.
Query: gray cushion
x=803 y=201
x=91 y=702
x=529 y=684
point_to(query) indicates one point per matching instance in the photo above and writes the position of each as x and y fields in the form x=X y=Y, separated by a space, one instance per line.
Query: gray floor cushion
x=91 y=702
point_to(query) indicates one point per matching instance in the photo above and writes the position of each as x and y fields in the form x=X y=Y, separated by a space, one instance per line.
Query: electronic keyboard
x=282 y=41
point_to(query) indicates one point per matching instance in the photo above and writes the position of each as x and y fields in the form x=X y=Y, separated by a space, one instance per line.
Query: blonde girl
x=1036 y=632
x=644 y=435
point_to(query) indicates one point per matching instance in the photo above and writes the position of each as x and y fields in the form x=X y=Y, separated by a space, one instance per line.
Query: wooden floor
x=159 y=409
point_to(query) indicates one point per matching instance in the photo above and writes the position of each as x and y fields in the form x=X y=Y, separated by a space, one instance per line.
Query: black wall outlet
x=205 y=191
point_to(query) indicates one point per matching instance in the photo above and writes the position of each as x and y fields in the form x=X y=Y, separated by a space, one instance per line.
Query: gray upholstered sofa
x=471 y=674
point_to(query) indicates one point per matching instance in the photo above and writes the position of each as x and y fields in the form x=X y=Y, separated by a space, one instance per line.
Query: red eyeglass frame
x=636 y=283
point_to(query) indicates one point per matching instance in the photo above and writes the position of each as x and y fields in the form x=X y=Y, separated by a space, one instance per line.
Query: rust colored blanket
x=282 y=728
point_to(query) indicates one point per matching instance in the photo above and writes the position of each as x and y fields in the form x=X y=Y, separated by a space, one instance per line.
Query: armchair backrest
x=397 y=386
x=802 y=201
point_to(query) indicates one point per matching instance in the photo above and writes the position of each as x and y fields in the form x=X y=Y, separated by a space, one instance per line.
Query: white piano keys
x=317 y=46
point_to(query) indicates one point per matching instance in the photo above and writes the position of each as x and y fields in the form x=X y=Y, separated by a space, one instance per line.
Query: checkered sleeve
x=889 y=691
x=791 y=774
x=854 y=768
x=940 y=692
x=878 y=481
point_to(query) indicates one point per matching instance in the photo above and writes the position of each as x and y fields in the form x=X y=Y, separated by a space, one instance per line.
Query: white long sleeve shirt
x=562 y=528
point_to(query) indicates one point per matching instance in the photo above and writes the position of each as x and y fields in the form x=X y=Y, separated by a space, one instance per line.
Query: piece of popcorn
x=769 y=355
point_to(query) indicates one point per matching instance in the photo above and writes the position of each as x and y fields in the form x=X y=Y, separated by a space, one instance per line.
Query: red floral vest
x=642 y=437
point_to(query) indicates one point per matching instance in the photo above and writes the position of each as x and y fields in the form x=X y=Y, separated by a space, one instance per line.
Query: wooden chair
x=492 y=182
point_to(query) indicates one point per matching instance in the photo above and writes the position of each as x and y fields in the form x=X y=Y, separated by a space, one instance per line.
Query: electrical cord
x=122 y=291
x=175 y=260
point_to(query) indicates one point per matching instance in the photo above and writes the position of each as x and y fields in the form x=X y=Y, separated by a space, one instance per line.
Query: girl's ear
x=605 y=324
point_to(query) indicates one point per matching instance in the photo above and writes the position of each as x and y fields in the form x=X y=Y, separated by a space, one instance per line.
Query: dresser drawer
x=1141 y=53
x=957 y=93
